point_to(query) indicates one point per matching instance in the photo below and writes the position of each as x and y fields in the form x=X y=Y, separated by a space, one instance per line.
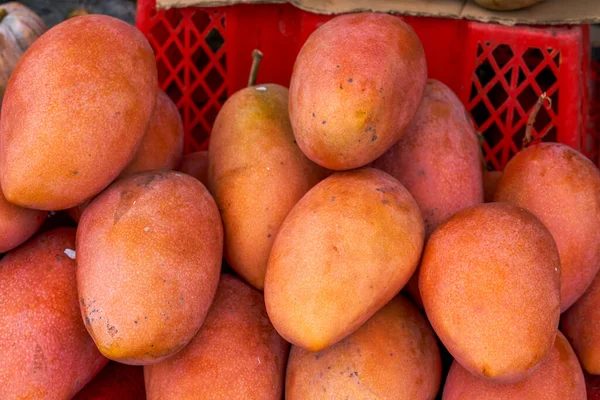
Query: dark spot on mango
x=82 y=302
x=269 y=235
x=485 y=371
x=368 y=128
x=385 y=202
x=87 y=321
x=373 y=138
x=337 y=66
x=350 y=80
x=135 y=322
x=341 y=86
x=145 y=181
x=332 y=199
x=313 y=115
x=74 y=172
x=112 y=330
x=323 y=122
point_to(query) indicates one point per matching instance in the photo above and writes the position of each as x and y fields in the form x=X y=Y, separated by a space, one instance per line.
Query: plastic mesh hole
x=173 y=54
x=199 y=96
x=174 y=92
x=200 y=58
x=163 y=71
x=497 y=95
x=480 y=113
x=502 y=54
x=159 y=32
x=473 y=93
x=546 y=79
x=173 y=17
x=533 y=57
x=521 y=77
x=518 y=136
x=211 y=114
x=200 y=19
x=214 y=40
x=493 y=135
x=527 y=98
x=485 y=73
x=214 y=80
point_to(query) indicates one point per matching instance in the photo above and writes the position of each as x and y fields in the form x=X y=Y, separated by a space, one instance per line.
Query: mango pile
x=340 y=239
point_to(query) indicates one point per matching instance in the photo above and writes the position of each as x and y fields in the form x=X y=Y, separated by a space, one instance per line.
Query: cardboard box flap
x=549 y=12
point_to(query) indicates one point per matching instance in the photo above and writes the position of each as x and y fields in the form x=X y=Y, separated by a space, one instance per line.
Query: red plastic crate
x=204 y=54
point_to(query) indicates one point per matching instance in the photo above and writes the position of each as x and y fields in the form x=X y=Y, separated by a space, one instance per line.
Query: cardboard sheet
x=549 y=12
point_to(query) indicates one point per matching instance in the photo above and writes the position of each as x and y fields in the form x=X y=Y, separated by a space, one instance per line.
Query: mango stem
x=531 y=121
x=256 y=57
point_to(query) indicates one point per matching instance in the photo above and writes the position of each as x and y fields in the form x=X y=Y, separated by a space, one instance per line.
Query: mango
x=562 y=188
x=580 y=325
x=162 y=145
x=438 y=159
x=490 y=285
x=393 y=355
x=196 y=165
x=343 y=252
x=558 y=377
x=237 y=354
x=17 y=224
x=257 y=174
x=356 y=85
x=46 y=351
x=149 y=252
x=75 y=111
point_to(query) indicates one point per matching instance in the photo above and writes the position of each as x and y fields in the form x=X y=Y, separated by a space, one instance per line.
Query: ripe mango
x=237 y=354
x=162 y=145
x=17 y=224
x=438 y=159
x=393 y=355
x=46 y=351
x=343 y=252
x=75 y=111
x=490 y=285
x=562 y=188
x=257 y=174
x=558 y=377
x=149 y=252
x=356 y=85
x=580 y=325
x=196 y=165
